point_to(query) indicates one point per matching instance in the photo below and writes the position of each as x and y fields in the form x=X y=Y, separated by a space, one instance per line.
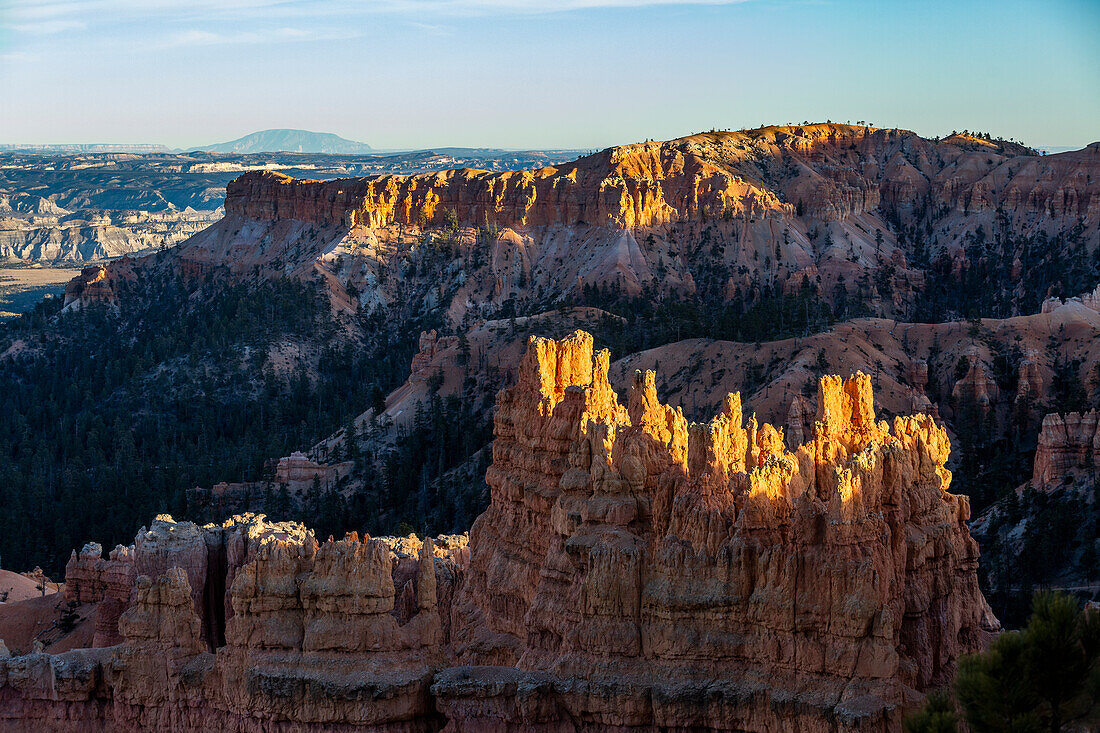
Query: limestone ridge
x=621 y=187
x=634 y=571
x=809 y=205
x=692 y=179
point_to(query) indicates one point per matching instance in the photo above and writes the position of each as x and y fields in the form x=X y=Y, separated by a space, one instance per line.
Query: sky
x=542 y=73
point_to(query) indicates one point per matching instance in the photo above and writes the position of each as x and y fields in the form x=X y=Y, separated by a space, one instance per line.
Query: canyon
x=634 y=571
x=958 y=272
x=767 y=546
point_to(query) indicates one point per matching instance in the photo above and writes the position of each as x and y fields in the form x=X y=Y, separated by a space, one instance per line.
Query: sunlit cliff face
x=709 y=526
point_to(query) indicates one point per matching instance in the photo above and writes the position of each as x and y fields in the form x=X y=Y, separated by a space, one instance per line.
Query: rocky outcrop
x=677 y=553
x=89 y=578
x=1088 y=300
x=84 y=205
x=167 y=544
x=84 y=580
x=118 y=581
x=634 y=571
x=430 y=345
x=800 y=421
x=1029 y=383
x=841 y=171
x=38 y=577
x=977 y=387
x=814 y=206
x=210 y=556
x=92 y=285
x=916 y=379
x=297 y=468
x=317 y=636
x=1069 y=446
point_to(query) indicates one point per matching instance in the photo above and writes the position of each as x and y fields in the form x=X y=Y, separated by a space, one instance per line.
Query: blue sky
x=541 y=73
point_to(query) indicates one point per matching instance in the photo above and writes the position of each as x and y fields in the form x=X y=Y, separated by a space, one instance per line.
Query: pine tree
x=994 y=690
x=936 y=716
x=1056 y=659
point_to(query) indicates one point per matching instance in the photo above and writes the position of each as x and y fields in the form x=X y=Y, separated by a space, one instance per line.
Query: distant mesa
x=289 y=141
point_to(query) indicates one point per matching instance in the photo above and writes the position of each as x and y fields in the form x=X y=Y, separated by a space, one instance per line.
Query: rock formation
x=1088 y=300
x=297 y=468
x=977 y=387
x=629 y=557
x=633 y=217
x=634 y=571
x=74 y=204
x=1069 y=445
x=620 y=187
x=90 y=286
x=693 y=178
x=429 y=346
x=800 y=421
x=107 y=583
x=84 y=582
x=1030 y=384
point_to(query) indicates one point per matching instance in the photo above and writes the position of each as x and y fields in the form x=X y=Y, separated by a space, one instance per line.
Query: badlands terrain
x=60 y=207
x=376 y=354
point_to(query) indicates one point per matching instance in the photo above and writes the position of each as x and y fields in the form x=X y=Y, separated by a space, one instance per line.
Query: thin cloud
x=433 y=29
x=183 y=23
x=105 y=11
x=11 y=58
x=47 y=27
x=535 y=6
x=196 y=37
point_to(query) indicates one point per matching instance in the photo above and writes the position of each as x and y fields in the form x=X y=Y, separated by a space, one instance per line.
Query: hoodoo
x=634 y=571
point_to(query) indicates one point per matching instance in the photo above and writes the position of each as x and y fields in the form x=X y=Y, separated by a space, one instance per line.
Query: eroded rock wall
x=1068 y=445
x=832 y=171
x=809 y=206
x=634 y=572
x=682 y=553
x=108 y=583
x=340 y=635
x=641 y=185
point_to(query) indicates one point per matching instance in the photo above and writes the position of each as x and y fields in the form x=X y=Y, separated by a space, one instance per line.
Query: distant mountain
x=291 y=141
